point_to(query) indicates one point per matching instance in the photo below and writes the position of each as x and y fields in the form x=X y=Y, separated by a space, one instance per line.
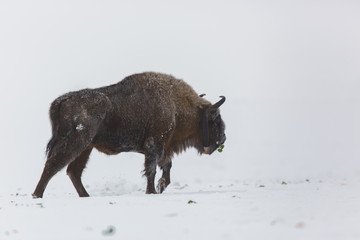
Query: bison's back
x=165 y=89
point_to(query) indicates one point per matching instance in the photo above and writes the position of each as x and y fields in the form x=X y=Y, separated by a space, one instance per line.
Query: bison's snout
x=223 y=139
x=211 y=149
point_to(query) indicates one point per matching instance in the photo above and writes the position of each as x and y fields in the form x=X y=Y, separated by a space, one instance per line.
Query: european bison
x=150 y=113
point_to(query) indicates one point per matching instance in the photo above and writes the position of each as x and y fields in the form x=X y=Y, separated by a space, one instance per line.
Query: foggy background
x=289 y=71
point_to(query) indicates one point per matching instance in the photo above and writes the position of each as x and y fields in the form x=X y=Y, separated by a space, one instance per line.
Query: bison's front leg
x=152 y=154
x=164 y=181
x=150 y=171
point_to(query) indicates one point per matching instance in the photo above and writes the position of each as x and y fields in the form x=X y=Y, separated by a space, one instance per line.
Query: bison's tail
x=50 y=146
x=54 y=118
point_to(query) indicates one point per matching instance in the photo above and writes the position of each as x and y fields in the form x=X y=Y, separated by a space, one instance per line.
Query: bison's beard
x=208 y=150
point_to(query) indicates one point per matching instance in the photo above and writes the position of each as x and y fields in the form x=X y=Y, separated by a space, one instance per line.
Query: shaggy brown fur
x=150 y=113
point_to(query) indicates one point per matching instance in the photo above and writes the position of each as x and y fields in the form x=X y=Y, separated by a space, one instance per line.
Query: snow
x=303 y=209
x=290 y=167
x=80 y=127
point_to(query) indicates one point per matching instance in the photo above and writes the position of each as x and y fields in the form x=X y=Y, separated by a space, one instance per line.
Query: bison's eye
x=217 y=142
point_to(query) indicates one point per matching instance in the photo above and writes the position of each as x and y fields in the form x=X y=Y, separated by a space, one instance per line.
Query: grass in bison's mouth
x=220 y=149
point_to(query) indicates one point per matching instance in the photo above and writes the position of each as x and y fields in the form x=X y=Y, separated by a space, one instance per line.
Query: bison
x=150 y=113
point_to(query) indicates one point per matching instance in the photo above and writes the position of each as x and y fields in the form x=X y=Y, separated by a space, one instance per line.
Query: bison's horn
x=201 y=95
x=219 y=103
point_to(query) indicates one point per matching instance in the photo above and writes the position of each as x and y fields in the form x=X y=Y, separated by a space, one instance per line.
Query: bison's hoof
x=161 y=185
x=35 y=196
x=150 y=191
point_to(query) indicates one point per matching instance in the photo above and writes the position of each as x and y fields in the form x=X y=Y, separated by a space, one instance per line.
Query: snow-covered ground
x=290 y=168
x=322 y=208
x=206 y=200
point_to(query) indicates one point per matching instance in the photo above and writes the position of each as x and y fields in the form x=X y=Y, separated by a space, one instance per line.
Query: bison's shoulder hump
x=158 y=82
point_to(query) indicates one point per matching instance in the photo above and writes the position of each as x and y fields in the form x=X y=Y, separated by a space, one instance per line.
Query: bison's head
x=213 y=128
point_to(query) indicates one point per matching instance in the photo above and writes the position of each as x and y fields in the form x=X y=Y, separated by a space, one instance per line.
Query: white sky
x=289 y=70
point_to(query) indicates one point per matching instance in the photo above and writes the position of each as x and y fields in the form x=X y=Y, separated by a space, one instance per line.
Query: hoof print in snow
x=109 y=231
x=40 y=205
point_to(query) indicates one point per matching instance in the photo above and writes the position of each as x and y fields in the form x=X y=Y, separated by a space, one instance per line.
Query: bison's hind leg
x=75 y=124
x=75 y=169
x=65 y=151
